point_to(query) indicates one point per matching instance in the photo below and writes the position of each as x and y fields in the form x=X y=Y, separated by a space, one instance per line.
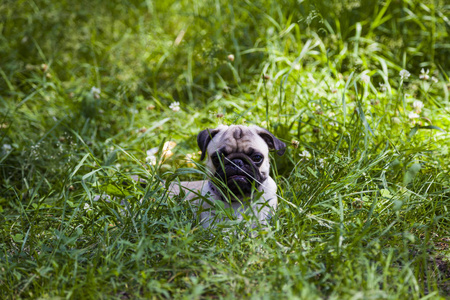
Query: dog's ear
x=272 y=141
x=203 y=139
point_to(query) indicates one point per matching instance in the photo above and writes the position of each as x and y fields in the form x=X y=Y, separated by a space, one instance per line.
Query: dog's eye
x=257 y=158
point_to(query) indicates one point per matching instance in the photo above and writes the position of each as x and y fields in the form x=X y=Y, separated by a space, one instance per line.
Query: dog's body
x=238 y=162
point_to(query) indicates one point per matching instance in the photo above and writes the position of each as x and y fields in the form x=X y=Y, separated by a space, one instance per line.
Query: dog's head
x=239 y=155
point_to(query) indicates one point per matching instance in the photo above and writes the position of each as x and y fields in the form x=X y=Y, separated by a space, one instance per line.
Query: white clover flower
x=6 y=148
x=424 y=75
x=412 y=115
x=152 y=151
x=404 y=74
x=95 y=91
x=104 y=197
x=305 y=154
x=365 y=78
x=383 y=87
x=151 y=157
x=175 y=106
x=321 y=162
x=418 y=105
x=333 y=122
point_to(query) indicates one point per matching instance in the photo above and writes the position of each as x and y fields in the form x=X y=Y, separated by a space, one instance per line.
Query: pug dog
x=238 y=166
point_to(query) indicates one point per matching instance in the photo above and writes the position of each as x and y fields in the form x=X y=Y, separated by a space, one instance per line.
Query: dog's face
x=239 y=155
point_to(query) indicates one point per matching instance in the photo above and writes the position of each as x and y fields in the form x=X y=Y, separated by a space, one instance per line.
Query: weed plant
x=94 y=94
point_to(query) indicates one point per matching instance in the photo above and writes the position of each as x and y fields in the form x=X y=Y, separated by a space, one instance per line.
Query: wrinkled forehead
x=238 y=139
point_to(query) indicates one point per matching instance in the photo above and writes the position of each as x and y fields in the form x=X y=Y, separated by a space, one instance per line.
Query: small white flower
x=383 y=87
x=365 y=78
x=152 y=151
x=87 y=206
x=404 y=74
x=434 y=79
x=175 y=106
x=6 y=148
x=321 y=162
x=104 y=197
x=424 y=75
x=305 y=154
x=418 y=105
x=231 y=57
x=333 y=122
x=95 y=91
x=413 y=115
x=151 y=157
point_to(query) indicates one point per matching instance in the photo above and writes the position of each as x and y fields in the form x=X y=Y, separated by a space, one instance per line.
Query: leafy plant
x=100 y=105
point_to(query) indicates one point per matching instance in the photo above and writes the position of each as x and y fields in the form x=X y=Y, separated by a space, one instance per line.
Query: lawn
x=94 y=93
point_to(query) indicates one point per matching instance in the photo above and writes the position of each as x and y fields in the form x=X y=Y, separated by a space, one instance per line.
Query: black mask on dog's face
x=238 y=171
x=238 y=156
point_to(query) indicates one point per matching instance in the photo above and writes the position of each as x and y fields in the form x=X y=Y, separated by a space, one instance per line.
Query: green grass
x=364 y=188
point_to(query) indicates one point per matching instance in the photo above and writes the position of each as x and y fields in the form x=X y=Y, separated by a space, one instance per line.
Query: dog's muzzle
x=239 y=173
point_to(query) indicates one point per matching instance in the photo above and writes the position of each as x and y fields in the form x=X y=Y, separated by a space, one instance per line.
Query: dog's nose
x=237 y=162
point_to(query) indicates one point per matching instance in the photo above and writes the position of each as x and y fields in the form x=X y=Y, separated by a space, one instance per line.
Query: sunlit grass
x=95 y=94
